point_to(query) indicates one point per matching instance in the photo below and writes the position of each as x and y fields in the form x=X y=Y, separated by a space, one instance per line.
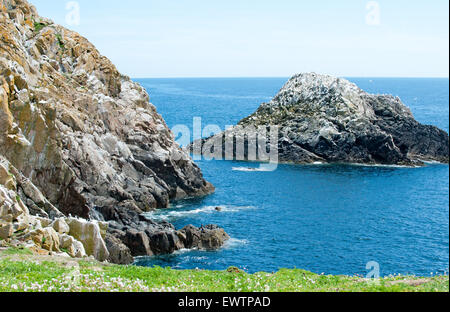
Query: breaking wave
x=166 y=215
x=248 y=169
x=235 y=242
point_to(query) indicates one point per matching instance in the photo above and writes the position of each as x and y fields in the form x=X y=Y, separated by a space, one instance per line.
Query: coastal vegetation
x=22 y=271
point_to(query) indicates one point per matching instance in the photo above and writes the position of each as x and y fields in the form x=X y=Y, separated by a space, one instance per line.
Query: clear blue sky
x=252 y=38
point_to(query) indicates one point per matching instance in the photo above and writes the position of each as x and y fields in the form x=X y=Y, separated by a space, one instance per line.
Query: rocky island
x=83 y=153
x=330 y=120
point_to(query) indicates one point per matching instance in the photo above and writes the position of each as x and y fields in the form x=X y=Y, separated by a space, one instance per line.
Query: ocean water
x=330 y=219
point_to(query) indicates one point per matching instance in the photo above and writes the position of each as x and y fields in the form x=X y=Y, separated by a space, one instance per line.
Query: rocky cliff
x=327 y=119
x=86 y=136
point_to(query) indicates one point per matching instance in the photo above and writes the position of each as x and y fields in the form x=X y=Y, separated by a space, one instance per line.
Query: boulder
x=165 y=242
x=43 y=222
x=137 y=242
x=6 y=231
x=46 y=238
x=61 y=226
x=6 y=178
x=66 y=243
x=103 y=226
x=209 y=237
x=213 y=237
x=73 y=247
x=119 y=253
x=89 y=234
x=79 y=249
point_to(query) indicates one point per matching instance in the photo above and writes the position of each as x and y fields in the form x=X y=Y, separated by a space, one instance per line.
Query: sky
x=263 y=38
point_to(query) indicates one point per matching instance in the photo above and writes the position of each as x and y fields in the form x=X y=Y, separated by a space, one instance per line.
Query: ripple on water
x=323 y=218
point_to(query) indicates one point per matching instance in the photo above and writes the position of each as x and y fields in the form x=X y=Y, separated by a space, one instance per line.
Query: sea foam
x=166 y=215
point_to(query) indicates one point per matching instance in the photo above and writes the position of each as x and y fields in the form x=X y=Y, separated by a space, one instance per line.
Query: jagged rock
x=66 y=243
x=138 y=243
x=61 y=226
x=44 y=222
x=47 y=234
x=73 y=247
x=103 y=226
x=14 y=215
x=36 y=198
x=209 y=237
x=6 y=231
x=82 y=139
x=79 y=130
x=89 y=234
x=79 y=249
x=213 y=237
x=327 y=119
x=119 y=253
x=6 y=178
x=165 y=242
x=46 y=238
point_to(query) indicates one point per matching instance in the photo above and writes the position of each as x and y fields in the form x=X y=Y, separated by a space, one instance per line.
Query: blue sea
x=331 y=219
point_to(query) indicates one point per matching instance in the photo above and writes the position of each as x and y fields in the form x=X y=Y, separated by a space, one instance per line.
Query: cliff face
x=327 y=119
x=82 y=133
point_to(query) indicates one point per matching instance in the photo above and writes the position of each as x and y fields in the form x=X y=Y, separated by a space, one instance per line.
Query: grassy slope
x=21 y=271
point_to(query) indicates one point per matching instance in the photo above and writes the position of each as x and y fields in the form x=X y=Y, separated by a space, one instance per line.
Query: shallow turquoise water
x=330 y=219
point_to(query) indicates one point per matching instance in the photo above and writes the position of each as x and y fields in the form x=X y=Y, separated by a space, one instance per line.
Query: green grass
x=38 y=26
x=20 y=272
x=16 y=251
x=60 y=41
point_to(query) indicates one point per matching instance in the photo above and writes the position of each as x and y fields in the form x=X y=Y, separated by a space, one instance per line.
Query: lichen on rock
x=84 y=139
x=321 y=118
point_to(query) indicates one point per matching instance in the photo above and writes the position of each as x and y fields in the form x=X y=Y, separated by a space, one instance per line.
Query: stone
x=22 y=225
x=6 y=231
x=209 y=237
x=81 y=140
x=66 y=243
x=78 y=130
x=43 y=222
x=119 y=253
x=8 y=218
x=88 y=233
x=6 y=178
x=165 y=242
x=60 y=226
x=46 y=238
x=79 y=249
x=138 y=243
x=213 y=237
x=325 y=119
x=73 y=247
x=103 y=226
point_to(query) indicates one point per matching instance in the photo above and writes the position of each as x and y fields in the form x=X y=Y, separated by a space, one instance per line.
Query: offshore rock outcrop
x=83 y=136
x=327 y=119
